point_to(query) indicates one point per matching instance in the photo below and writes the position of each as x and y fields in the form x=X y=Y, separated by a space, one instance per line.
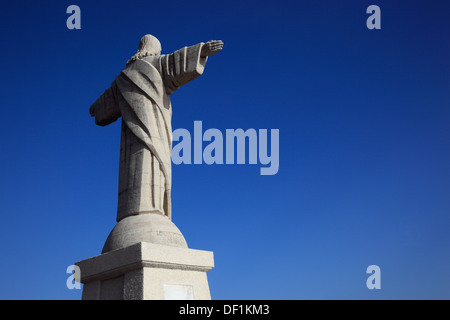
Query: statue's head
x=148 y=46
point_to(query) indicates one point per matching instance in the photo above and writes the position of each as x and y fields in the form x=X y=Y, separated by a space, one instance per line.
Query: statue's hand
x=211 y=48
x=92 y=111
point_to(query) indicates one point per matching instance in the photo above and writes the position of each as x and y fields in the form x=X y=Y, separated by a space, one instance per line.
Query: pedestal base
x=147 y=271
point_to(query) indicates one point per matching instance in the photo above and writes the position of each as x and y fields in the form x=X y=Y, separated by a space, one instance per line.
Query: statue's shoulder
x=147 y=65
x=153 y=60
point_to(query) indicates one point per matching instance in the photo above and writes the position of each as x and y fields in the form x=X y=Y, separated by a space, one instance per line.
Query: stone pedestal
x=147 y=271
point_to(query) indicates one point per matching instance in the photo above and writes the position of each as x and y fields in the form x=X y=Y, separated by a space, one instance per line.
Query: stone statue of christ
x=141 y=96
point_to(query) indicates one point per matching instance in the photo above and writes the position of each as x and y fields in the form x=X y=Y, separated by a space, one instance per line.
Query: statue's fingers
x=213 y=44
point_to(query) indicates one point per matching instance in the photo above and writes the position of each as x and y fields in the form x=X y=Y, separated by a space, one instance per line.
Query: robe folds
x=141 y=96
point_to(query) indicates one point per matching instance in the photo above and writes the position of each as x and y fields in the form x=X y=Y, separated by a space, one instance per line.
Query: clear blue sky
x=364 y=144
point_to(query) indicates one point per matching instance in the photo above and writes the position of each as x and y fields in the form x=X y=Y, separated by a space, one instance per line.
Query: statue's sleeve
x=106 y=108
x=182 y=66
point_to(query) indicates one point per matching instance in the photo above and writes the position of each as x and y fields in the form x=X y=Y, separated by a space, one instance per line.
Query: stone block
x=147 y=271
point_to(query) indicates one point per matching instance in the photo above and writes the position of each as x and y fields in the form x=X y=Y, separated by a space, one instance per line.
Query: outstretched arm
x=187 y=64
x=211 y=48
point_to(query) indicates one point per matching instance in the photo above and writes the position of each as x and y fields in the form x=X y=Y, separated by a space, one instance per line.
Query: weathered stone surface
x=145 y=255
x=147 y=271
x=140 y=94
x=151 y=227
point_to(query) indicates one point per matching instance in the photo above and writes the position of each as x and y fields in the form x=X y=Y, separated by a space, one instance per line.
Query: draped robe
x=141 y=96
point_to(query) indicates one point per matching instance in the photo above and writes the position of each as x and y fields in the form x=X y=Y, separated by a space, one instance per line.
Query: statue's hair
x=148 y=46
